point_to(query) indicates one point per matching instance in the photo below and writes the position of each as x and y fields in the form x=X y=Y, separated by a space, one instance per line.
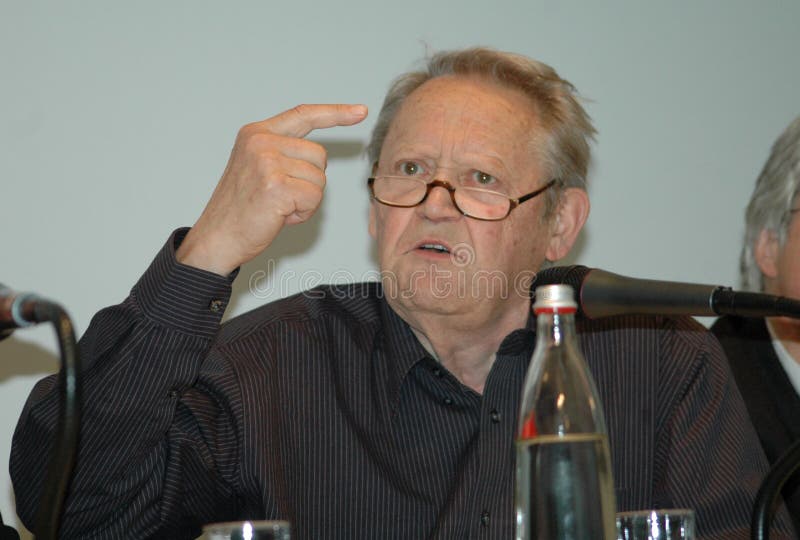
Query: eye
x=483 y=179
x=411 y=168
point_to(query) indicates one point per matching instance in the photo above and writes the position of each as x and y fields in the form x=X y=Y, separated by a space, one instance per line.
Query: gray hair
x=771 y=203
x=563 y=148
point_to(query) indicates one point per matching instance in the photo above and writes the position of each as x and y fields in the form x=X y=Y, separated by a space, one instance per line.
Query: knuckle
x=272 y=183
x=317 y=154
x=300 y=110
x=268 y=161
x=246 y=131
x=251 y=143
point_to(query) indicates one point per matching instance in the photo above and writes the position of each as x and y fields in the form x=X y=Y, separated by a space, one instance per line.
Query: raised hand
x=274 y=177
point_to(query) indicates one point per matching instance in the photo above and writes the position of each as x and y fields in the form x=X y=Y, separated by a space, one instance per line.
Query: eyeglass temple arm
x=533 y=194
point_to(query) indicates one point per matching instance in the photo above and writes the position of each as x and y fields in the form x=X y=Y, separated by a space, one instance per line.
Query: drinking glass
x=247 y=530
x=661 y=524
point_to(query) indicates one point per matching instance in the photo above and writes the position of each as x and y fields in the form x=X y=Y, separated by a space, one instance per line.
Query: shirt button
x=438 y=372
x=174 y=394
x=216 y=306
x=495 y=416
x=485 y=518
x=448 y=401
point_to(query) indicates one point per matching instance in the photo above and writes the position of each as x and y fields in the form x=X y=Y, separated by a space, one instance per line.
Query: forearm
x=136 y=439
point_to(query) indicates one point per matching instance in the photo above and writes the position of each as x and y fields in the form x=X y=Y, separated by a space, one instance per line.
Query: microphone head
x=563 y=275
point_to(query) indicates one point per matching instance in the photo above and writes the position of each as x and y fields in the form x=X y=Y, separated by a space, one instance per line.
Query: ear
x=571 y=214
x=766 y=252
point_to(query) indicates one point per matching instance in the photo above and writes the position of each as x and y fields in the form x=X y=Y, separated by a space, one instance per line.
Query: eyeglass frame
x=513 y=202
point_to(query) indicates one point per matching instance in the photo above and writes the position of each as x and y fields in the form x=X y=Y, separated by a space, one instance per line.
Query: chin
x=432 y=304
x=424 y=285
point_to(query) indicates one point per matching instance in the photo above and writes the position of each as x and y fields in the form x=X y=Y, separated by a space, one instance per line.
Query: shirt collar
x=400 y=347
x=403 y=351
x=521 y=340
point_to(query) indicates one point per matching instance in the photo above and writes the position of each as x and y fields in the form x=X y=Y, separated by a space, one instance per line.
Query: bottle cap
x=552 y=298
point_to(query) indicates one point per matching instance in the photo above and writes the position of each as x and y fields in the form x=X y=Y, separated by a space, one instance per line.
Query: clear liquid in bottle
x=573 y=482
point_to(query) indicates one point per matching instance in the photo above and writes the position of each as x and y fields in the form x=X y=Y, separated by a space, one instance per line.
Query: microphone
x=26 y=309
x=18 y=310
x=603 y=294
x=8 y=533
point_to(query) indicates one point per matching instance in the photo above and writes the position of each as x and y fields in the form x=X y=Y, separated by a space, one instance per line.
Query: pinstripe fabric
x=772 y=402
x=324 y=409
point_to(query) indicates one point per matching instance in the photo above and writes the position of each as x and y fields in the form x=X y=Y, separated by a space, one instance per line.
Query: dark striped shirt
x=324 y=409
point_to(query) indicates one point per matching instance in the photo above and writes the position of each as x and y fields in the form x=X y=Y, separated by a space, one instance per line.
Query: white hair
x=771 y=204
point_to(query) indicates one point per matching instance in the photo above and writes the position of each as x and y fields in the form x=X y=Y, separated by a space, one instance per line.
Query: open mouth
x=437 y=248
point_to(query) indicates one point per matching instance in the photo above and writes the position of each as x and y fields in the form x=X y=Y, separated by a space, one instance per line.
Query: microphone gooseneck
x=20 y=310
x=767 y=498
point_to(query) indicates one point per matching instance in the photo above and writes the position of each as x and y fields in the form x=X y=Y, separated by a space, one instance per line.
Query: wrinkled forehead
x=473 y=94
x=466 y=113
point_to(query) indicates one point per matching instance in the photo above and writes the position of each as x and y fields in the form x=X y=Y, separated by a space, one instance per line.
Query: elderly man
x=765 y=353
x=384 y=410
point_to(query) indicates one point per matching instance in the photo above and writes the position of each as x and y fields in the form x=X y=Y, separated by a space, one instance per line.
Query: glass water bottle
x=564 y=485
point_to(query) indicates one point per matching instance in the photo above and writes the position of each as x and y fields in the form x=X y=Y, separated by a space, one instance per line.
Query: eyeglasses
x=477 y=203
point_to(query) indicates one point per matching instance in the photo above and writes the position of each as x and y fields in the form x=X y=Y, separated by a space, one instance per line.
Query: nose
x=439 y=204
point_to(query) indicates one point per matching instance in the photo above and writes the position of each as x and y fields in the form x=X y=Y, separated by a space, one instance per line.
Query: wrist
x=201 y=253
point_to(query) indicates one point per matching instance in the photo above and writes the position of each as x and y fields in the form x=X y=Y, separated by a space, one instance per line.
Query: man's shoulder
x=669 y=339
x=354 y=304
x=648 y=326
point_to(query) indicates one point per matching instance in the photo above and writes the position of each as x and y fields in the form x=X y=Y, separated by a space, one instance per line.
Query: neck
x=467 y=346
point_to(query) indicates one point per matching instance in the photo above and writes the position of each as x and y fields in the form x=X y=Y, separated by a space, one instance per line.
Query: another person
x=765 y=353
x=384 y=410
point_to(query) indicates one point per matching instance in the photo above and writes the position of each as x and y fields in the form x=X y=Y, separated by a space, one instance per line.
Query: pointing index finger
x=303 y=119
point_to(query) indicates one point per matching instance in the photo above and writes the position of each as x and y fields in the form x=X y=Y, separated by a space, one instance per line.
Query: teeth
x=437 y=247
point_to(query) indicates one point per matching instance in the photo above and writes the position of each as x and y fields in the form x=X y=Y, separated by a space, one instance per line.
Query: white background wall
x=116 y=122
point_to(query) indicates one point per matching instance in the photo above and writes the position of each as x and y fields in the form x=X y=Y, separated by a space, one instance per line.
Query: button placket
x=496 y=445
x=485 y=518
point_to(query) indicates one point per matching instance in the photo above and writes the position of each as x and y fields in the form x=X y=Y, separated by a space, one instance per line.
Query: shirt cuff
x=181 y=297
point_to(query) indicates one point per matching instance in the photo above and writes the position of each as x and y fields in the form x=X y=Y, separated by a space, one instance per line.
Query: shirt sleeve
x=708 y=457
x=147 y=463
